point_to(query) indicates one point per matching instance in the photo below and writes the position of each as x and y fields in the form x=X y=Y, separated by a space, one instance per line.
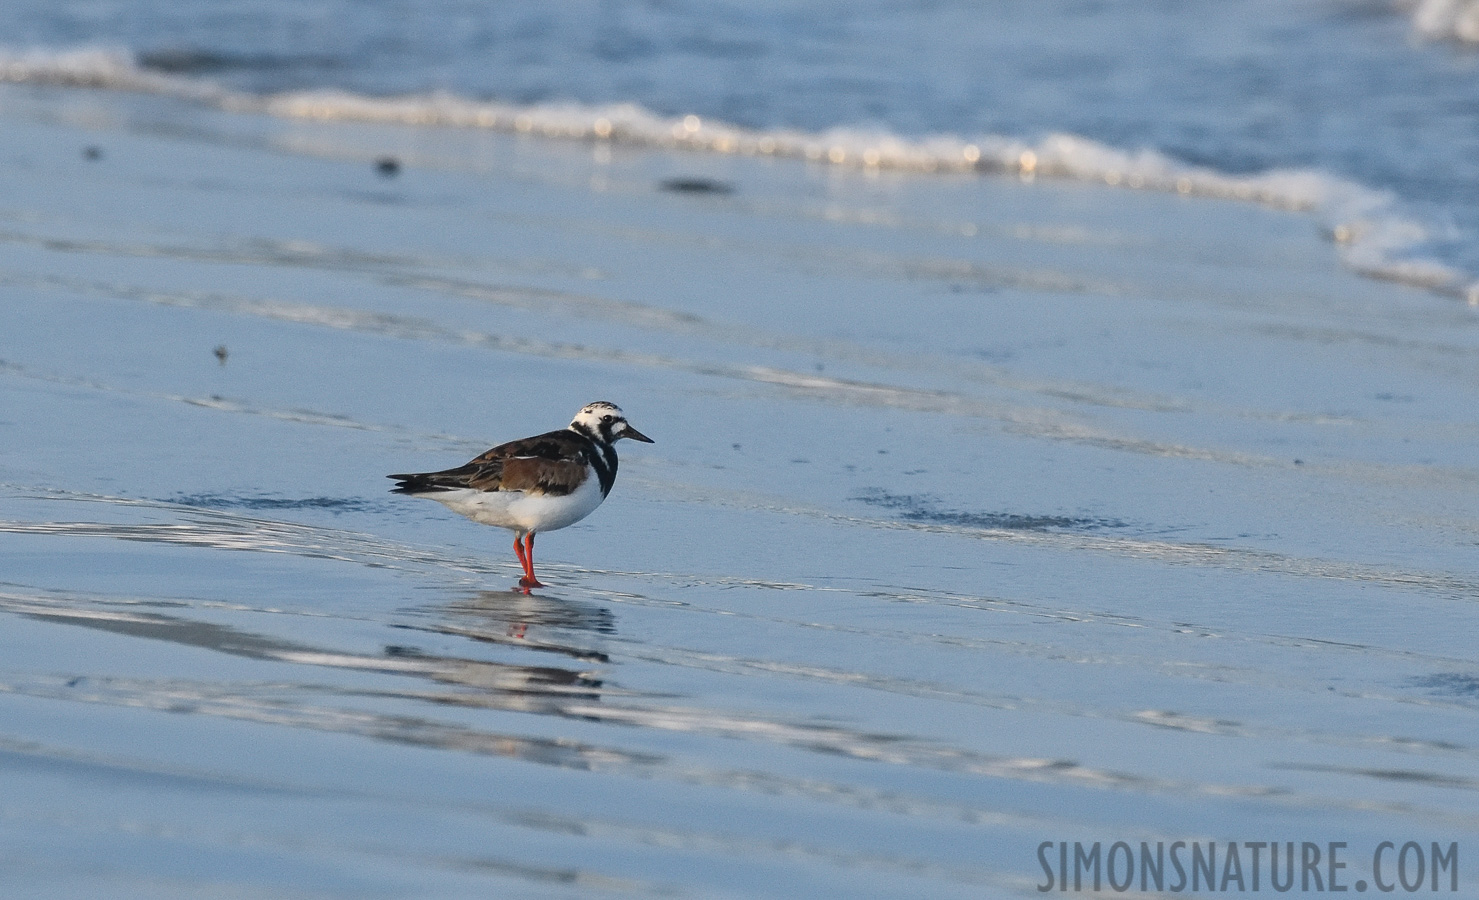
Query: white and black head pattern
x=605 y=424
x=533 y=484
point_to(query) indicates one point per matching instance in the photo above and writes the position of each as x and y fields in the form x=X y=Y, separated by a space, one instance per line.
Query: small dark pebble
x=1299 y=462
x=221 y=353
x=696 y=186
x=388 y=166
x=92 y=153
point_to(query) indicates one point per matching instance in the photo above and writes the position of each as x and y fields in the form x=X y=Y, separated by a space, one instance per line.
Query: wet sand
x=983 y=512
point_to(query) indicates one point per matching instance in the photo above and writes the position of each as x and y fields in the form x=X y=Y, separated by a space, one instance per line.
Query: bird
x=535 y=484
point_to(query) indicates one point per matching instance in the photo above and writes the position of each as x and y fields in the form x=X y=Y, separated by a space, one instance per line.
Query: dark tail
x=421 y=483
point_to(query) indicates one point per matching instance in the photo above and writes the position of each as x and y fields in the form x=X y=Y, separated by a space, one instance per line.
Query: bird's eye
x=605 y=418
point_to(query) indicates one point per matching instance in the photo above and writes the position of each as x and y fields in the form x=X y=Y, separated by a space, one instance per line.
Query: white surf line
x=1371 y=235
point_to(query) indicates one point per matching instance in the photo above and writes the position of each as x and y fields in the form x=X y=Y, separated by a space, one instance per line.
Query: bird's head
x=604 y=423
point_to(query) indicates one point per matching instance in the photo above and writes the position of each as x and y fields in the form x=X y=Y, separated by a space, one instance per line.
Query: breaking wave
x=1371 y=231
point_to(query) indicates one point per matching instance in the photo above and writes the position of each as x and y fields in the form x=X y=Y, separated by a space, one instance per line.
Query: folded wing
x=553 y=463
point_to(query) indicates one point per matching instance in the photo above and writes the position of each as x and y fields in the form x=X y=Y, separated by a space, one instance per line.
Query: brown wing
x=553 y=463
x=538 y=476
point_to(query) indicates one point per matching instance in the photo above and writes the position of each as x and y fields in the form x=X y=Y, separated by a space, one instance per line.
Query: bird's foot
x=527 y=582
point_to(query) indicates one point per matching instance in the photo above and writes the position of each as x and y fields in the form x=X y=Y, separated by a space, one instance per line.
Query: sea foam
x=1445 y=19
x=1373 y=234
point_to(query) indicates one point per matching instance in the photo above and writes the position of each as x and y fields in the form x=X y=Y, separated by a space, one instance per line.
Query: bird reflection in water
x=561 y=626
x=527 y=622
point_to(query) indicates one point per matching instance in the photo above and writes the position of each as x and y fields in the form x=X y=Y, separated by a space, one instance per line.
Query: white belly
x=523 y=512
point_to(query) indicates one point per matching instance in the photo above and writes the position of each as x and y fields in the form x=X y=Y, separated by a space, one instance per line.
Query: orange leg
x=526 y=559
x=523 y=561
x=519 y=552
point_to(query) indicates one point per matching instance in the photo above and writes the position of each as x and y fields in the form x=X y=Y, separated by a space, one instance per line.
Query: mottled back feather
x=553 y=463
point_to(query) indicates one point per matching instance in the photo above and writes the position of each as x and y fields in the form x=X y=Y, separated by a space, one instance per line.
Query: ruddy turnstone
x=535 y=484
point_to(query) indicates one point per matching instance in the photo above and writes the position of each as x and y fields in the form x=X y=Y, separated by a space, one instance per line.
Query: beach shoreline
x=981 y=513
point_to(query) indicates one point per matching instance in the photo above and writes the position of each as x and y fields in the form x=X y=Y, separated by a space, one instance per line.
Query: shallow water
x=982 y=513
